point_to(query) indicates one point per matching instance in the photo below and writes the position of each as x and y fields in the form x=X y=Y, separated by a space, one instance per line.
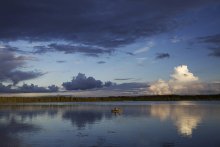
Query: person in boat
x=116 y=110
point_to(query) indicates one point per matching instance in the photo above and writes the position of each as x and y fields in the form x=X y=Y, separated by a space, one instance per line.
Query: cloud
x=124 y=89
x=107 y=89
x=101 y=62
x=182 y=82
x=109 y=84
x=10 y=48
x=160 y=88
x=11 y=65
x=130 y=53
x=144 y=49
x=213 y=42
x=17 y=76
x=87 y=50
x=61 y=61
x=105 y=23
x=210 y=39
x=182 y=74
x=162 y=55
x=81 y=82
x=5 y=89
x=25 y=88
x=132 y=88
x=123 y=79
x=35 y=88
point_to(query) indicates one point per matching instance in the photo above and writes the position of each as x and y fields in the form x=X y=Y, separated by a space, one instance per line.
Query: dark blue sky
x=131 y=43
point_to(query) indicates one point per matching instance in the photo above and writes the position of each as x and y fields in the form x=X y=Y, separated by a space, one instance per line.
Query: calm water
x=153 y=124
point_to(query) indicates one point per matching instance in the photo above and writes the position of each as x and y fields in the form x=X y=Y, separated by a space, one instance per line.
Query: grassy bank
x=105 y=99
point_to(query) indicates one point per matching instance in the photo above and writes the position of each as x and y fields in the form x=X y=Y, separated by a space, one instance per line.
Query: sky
x=104 y=48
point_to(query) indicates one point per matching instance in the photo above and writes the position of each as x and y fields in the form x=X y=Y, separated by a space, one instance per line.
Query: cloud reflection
x=10 y=128
x=82 y=118
x=185 y=117
x=186 y=124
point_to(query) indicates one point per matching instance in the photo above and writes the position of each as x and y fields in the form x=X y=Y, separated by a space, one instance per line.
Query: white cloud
x=145 y=49
x=182 y=82
x=141 y=50
x=182 y=74
x=160 y=87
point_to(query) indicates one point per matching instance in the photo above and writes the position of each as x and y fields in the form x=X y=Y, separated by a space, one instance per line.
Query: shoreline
x=106 y=99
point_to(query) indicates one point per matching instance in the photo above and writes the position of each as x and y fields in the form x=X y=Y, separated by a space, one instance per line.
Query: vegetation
x=106 y=99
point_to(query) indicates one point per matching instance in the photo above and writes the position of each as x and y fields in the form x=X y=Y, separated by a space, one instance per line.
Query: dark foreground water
x=147 y=124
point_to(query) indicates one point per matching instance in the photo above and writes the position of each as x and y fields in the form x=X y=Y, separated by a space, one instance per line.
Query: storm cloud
x=72 y=49
x=100 y=24
x=130 y=31
x=11 y=65
x=6 y=89
x=10 y=48
x=81 y=82
x=124 y=89
x=25 y=88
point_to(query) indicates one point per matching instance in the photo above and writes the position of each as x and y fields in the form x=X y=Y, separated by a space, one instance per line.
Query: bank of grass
x=106 y=99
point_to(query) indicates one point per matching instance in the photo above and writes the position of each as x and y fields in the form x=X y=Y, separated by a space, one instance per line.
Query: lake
x=139 y=124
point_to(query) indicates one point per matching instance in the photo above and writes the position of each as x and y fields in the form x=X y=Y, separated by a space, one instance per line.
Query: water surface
x=159 y=124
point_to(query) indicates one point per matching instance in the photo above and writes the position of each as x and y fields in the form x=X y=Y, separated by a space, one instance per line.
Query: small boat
x=116 y=110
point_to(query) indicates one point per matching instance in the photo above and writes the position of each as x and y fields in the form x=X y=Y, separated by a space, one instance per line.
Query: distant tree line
x=106 y=99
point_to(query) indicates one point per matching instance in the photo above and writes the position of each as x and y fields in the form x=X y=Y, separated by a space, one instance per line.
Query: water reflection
x=186 y=124
x=90 y=122
x=185 y=117
x=82 y=118
x=10 y=127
